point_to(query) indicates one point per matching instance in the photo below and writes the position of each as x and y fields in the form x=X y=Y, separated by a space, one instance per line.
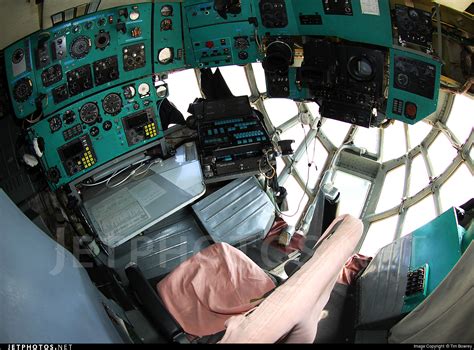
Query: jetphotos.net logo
x=39 y=347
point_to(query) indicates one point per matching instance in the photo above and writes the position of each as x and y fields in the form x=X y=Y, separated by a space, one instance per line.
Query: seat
x=221 y=289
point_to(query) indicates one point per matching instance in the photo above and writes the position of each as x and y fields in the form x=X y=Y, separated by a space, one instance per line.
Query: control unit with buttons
x=107 y=125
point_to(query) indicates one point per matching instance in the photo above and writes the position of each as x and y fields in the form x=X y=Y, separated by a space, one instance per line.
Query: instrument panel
x=71 y=61
x=93 y=131
x=85 y=78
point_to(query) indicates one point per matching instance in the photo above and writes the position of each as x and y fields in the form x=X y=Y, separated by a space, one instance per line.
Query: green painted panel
x=360 y=27
x=425 y=106
x=107 y=144
x=119 y=31
x=165 y=37
x=435 y=244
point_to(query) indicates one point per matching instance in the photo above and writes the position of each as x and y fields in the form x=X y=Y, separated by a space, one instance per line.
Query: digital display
x=137 y=120
x=73 y=148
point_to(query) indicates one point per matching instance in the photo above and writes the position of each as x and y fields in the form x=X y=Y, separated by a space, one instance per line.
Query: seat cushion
x=217 y=283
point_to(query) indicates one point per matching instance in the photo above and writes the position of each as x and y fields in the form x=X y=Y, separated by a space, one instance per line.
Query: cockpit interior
x=236 y=171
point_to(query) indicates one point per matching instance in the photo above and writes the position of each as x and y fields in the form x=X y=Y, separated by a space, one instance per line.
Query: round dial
x=22 y=89
x=89 y=113
x=18 y=56
x=80 y=47
x=165 y=55
x=166 y=24
x=112 y=104
x=241 y=43
x=69 y=116
x=129 y=92
x=360 y=68
x=143 y=89
x=134 y=15
x=55 y=123
x=166 y=10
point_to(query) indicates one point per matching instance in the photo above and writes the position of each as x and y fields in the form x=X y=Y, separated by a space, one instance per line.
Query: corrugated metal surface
x=237 y=212
x=381 y=287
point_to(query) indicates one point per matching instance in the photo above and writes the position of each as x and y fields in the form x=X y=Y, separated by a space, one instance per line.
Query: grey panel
x=237 y=212
x=162 y=247
x=46 y=295
x=381 y=288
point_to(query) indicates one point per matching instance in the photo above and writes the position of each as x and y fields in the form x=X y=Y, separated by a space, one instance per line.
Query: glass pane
x=418 y=175
x=458 y=189
x=394 y=144
x=380 y=234
x=461 y=120
x=296 y=133
x=441 y=153
x=316 y=154
x=367 y=138
x=418 y=215
x=335 y=130
x=295 y=195
x=417 y=133
x=353 y=191
x=392 y=190
x=259 y=77
x=280 y=165
x=313 y=107
x=183 y=89
x=280 y=110
x=236 y=80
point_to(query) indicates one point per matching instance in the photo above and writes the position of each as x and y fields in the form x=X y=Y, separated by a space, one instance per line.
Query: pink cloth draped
x=292 y=311
x=212 y=286
x=352 y=267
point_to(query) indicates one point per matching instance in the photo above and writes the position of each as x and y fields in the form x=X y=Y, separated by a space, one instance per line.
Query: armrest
x=152 y=303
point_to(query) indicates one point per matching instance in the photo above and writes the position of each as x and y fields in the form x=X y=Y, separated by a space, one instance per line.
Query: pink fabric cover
x=352 y=267
x=215 y=284
x=292 y=311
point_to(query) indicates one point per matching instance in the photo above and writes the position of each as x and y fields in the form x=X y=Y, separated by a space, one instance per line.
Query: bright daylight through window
x=421 y=173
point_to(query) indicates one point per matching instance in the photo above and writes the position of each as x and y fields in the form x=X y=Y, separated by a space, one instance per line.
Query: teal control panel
x=168 y=37
x=361 y=61
x=51 y=69
x=214 y=39
x=414 y=86
x=95 y=130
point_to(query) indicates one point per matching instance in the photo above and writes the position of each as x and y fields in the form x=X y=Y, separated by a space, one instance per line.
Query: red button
x=410 y=110
x=209 y=44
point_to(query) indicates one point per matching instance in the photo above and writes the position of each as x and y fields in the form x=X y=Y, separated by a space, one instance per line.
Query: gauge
x=55 y=123
x=18 y=56
x=89 y=113
x=80 y=47
x=94 y=131
x=166 y=24
x=143 y=89
x=402 y=79
x=22 y=89
x=161 y=91
x=129 y=92
x=241 y=43
x=69 y=117
x=134 y=15
x=166 y=10
x=112 y=104
x=360 y=68
x=165 y=55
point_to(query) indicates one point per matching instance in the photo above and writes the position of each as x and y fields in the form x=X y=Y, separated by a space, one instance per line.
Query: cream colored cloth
x=292 y=311
x=215 y=284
